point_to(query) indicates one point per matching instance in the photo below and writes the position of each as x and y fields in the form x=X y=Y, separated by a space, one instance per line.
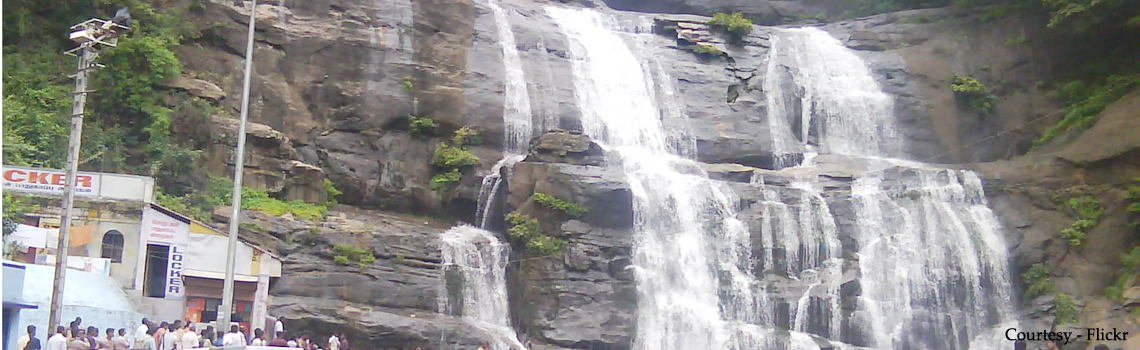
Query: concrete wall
x=98 y=299
x=123 y=272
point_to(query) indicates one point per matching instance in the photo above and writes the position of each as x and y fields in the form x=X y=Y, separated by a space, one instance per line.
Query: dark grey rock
x=560 y=146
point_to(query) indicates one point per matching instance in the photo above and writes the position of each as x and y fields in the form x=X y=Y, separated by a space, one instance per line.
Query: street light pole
x=228 y=286
x=90 y=34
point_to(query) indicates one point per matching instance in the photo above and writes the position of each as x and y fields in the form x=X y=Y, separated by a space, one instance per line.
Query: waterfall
x=474 y=272
x=689 y=246
x=932 y=265
x=517 y=129
x=836 y=106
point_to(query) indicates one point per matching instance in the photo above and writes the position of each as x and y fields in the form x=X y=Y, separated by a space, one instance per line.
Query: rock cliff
x=335 y=81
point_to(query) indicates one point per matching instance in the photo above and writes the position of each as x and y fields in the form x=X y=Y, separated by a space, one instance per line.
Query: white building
x=168 y=265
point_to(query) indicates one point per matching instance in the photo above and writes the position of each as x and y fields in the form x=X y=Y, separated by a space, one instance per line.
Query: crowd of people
x=177 y=335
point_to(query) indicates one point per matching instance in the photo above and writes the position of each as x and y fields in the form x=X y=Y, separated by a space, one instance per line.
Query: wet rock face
x=569 y=147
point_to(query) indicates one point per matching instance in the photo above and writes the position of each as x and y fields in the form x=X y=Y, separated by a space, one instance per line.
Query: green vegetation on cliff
x=1037 y=281
x=528 y=231
x=573 y=210
x=1065 y=310
x=1082 y=103
x=973 y=94
x=346 y=254
x=1130 y=268
x=1088 y=210
x=734 y=24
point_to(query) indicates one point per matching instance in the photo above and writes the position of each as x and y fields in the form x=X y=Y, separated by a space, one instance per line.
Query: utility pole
x=91 y=35
x=239 y=167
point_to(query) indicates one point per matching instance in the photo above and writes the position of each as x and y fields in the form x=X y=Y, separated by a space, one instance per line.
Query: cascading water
x=932 y=264
x=474 y=263
x=836 y=108
x=474 y=259
x=687 y=235
x=517 y=129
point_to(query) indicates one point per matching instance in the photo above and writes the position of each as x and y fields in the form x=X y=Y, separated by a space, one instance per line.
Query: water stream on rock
x=475 y=260
x=517 y=121
x=474 y=263
x=683 y=221
x=924 y=256
x=931 y=261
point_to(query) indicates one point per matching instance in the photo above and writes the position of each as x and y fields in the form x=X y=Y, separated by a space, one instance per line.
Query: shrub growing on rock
x=527 y=230
x=975 y=95
x=574 y=210
x=452 y=157
x=1064 y=309
x=421 y=126
x=734 y=24
x=1038 y=281
x=445 y=179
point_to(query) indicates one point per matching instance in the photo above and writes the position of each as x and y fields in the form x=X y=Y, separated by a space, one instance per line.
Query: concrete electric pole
x=92 y=35
x=226 y=309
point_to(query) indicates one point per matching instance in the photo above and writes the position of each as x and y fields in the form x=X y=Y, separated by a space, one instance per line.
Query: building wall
x=125 y=271
x=98 y=299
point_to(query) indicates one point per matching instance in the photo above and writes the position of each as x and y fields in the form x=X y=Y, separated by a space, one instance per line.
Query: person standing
x=109 y=341
x=190 y=338
x=92 y=338
x=233 y=338
x=141 y=333
x=148 y=340
x=29 y=341
x=59 y=340
x=278 y=327
x=120 y=342
x=169 y=341
x=79 y=341
x=178 y=329
x=343 y=342
x=160 y=333
x=334 y=342
x=258 y=338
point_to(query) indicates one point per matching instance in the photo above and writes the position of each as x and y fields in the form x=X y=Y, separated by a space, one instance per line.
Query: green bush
x=975 y=95
x=408 y=85
x=1017 y=40
x=1064 y=309
x=1073 y=92
x=15 y=208
x=1038 y=281
x=452 y=157
x=1088 y=211
x=467 y=136
x=550 y=202
x=527 y=230
x=522 y=226
x=445 y=179
x=735 y=24
x=1130 y=266
x=351 y=253
x=1082 y=113
x=330 y=191
x=421 y=126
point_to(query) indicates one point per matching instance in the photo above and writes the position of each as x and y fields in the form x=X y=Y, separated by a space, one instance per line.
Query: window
x=113 y=246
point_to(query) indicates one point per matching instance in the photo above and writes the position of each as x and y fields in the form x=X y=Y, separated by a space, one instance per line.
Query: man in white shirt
x=169 y=341
x=189 y=338
x=58 y=341
x=278 y=327
x=141 y=333
x=233 y=338
x=334 y=342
